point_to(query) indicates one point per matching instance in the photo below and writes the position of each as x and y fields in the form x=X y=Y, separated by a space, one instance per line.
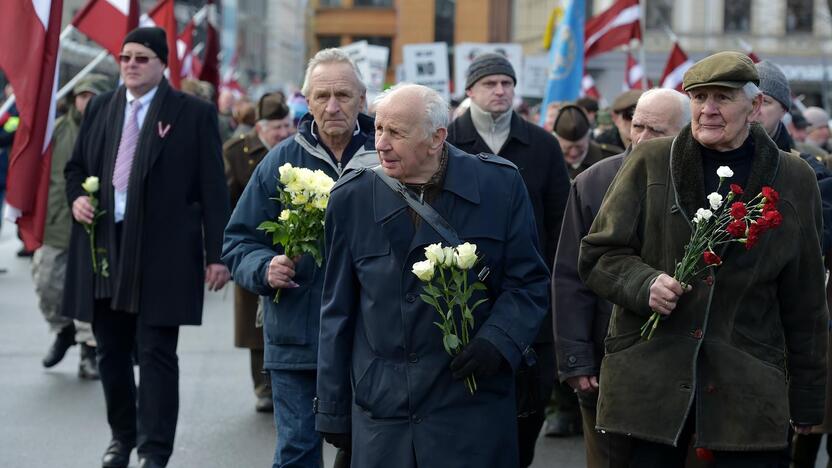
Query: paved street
x=50 y=418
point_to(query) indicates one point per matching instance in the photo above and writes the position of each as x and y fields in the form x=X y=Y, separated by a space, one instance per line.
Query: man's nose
x=332 y=105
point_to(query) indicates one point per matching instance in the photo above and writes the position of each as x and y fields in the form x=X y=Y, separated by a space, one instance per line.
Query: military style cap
x=729 y=69
x=626 y=100
x=272 y=107
x=93 y=83
x=572 y=123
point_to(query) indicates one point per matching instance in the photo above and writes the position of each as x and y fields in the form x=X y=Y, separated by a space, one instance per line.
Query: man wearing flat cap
x=622 y=110
x=740 y=355
x=49 y=260
x=242 y=155
x=159 y=212
x=491 y=126
x=572 y=129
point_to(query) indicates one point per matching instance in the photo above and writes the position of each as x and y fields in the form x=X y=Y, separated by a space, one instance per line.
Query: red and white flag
x=106 y=22
x=749 y=51
x=162 y=15
x=677 y=64
x=634 y=74
x=185 y=49
x=33 y=73
x=588 y=87
x=210 y=70
x=616 y=26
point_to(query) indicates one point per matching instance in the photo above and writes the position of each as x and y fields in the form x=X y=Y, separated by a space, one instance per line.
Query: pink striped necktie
x=127 y=148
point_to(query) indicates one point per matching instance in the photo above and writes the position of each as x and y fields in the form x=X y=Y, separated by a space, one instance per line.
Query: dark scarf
x=430 y=190
x=782 y=138
x=123 y=284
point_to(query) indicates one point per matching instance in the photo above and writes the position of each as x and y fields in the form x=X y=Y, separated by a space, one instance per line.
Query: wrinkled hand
x=480 y=357
x=281 y=271
x=584 y=383
x=216 y=275
x=82 y=210
x=665 y=293
x=341 y=441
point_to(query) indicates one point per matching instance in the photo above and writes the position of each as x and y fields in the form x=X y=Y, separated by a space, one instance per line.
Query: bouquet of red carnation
x=727 y=220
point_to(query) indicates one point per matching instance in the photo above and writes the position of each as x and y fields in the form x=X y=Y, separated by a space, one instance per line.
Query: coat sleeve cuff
x=332 y=416
x=504 y=343
x=807 y=404
x=576 y=359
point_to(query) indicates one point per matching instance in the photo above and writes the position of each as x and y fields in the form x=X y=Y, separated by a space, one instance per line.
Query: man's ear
x=438 y=138
x=756 y=106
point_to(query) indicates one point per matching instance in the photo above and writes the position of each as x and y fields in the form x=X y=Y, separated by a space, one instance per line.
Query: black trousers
x=655 y=455
x=145 y=415
x=528 y=427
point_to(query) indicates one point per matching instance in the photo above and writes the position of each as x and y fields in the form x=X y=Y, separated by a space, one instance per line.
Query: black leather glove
x=341 y=440
x=479 y=357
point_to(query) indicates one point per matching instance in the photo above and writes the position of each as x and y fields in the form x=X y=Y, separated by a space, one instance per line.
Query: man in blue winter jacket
x=333 y=137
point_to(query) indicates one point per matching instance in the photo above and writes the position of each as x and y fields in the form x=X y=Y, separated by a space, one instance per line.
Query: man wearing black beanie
x=158 y=214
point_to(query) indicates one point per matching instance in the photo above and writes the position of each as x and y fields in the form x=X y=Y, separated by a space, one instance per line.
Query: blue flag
x=566 y=58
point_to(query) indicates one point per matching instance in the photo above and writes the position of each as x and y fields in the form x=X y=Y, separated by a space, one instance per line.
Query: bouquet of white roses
x=303 y=194
x=445 y=272
x=101 y=266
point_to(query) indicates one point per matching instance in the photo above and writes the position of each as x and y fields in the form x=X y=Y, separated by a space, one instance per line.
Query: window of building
x=659 y=14
x=327 y=42
x=737 y=16
x=799 y=15
x=444 y=22
x=373 y=3
x=329 y=3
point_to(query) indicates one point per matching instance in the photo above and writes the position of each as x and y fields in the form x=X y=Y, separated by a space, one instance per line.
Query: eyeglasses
x=140 y=59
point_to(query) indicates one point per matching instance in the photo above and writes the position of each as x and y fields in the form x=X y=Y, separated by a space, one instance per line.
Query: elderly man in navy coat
x=383 y=374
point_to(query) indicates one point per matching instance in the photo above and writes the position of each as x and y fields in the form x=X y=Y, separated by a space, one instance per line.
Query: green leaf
x=478 y=286
x=429 y=300
x=477 y=304
x=450 y=341
x=432 y=290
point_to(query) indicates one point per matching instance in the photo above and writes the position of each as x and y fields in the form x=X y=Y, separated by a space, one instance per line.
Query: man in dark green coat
x=741 y=352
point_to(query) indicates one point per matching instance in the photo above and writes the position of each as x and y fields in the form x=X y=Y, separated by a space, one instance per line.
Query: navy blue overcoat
x=381 y=366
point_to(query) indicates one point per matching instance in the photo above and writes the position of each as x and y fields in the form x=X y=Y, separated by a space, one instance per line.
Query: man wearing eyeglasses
x=163 y=204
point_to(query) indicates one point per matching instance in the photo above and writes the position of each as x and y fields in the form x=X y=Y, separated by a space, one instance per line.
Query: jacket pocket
x=286 y=322
x=768 y=354
x=381 y=390
x=616 y=343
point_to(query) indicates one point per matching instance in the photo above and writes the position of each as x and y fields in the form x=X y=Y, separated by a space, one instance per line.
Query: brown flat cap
x=272 y=107
x=729 y=69
x=572 y=123
x=626 y=100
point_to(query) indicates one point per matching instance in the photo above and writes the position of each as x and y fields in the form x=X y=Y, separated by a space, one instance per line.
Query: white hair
x=331 y=55
x=436 y=108
x=751 y=90
x=666 y=93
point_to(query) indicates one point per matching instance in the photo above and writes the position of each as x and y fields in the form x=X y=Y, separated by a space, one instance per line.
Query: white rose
x=715 y=200
x=90 y=185
x=448 y=261
x=435 y=253
x=300 y=198
x=466 y=255
x=320 y=202
x=284 y=215
x=702 y=215
x=423 y=270
x=724 y=172
x=288 y=174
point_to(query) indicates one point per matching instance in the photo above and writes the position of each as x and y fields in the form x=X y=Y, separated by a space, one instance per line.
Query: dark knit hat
x=489 y=64
x=774 y=83
x=154 y=39
x=272 y=107
x=572 y=123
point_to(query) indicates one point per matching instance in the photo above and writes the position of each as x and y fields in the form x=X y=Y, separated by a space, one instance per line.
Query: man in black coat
x=491 y=126
x=157 y=155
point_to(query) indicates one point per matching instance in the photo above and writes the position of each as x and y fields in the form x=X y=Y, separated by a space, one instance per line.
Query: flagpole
x=641 y=54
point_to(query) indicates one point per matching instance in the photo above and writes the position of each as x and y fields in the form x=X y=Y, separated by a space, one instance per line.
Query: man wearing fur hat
x=158 y=157
x=740 y=356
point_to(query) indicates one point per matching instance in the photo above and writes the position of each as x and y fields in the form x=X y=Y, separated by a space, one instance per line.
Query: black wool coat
x=183 y=206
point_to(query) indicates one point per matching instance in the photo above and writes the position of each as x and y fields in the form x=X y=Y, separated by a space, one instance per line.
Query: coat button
x=709 y=280
x=413 y=358
x=711 y=388
x=410 y=297
x=697 y=333
x=417 y=419
x=572 y=359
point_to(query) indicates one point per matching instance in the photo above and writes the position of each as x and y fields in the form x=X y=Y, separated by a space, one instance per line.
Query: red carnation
x=773 y=218
x=738 y=210
x=704 y=454
x=771 y=195
x=711 y=258
x=736 y=228
x=754 y=231
x=736 y=189
x=769 y=207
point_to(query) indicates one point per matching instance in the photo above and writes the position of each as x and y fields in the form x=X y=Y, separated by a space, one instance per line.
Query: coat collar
x=467 y=133
x=688 y=177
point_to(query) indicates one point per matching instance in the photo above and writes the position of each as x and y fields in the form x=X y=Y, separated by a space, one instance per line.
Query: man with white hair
x=818 y=132
x=581 y=317
x=739 y=356
x=333 y=137
x=383 y=373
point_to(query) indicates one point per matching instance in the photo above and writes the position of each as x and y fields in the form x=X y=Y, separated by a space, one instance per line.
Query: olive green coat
x=746 y=347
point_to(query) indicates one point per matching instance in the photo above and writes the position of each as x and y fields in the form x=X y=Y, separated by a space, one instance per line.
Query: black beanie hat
x=489 y=64
x=153 y=38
